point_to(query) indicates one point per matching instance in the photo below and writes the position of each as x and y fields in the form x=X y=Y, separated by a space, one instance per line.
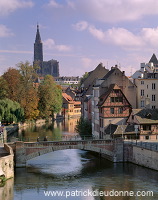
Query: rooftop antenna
x=119 y=66
x=131 y=71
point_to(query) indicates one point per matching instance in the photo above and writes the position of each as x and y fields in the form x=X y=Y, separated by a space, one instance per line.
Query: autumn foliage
x=17 y=85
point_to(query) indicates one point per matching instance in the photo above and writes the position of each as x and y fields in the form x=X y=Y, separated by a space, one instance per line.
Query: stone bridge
x=109 y=149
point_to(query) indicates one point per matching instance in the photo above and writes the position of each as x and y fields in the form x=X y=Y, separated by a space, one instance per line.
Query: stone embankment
x=144 y=154
x=6 y=162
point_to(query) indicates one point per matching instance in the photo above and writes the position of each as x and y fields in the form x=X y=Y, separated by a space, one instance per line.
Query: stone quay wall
x=141 y=156
x=7 y=163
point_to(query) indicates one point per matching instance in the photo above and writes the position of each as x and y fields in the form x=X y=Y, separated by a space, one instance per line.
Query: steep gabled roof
x=98 y=72
x=146 y=116
x=67 y=97
x=103 y=97
x=153 y=59
x=109 y=73
x=110 y=129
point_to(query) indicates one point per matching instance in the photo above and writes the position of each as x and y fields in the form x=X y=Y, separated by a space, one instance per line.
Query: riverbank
x=38 y=122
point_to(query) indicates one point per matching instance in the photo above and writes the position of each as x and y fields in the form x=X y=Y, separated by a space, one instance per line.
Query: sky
x=79 y=34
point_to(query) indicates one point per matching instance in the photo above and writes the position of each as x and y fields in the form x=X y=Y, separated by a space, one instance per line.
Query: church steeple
x=38 y=37
x=38 y=47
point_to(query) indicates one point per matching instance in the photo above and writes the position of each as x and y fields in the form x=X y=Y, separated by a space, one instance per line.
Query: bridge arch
x=110 y=149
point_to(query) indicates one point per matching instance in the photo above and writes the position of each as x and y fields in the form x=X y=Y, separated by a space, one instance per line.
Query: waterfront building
x=50 y=67
x=125 y=131
x=70 y=107
x=101 y=87
x=88 y=107
x=146 y=122
x=114 y=108
x=87 y=86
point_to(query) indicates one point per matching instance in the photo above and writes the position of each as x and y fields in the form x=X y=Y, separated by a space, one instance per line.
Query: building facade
x=87 y=86
x=70 y=107
x=146 y=80
x=70 y=80
x=114 y=76
x=147 y=123
x=114 y=108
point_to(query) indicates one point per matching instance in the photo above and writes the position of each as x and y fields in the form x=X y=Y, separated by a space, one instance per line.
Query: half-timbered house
x=114 y=108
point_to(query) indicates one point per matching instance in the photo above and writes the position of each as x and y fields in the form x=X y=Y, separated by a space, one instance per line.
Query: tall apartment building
x=146 y=80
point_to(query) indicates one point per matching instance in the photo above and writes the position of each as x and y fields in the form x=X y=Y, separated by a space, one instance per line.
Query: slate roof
x=109 y=73
x=104 y=96
x=125 y=129
x=146 y=116
x=153 y=59
x=110 y=129
x=115 y=129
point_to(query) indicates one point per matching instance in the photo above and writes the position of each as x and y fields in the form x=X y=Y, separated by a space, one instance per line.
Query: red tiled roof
x=67 y=97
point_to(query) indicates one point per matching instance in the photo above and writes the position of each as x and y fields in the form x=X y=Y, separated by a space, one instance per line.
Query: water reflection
x=58 y=130
x=72 y=170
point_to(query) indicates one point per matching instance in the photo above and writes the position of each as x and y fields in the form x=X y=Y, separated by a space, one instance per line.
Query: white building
x=67 y=80
x=146 y=80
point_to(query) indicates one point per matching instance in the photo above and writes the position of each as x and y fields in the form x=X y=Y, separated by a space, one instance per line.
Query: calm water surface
x=68 y=171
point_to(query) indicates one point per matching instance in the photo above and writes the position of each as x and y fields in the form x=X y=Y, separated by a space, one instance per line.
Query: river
x=76 y=174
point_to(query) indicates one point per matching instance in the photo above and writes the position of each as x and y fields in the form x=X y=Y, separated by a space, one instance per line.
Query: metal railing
x=153 y=146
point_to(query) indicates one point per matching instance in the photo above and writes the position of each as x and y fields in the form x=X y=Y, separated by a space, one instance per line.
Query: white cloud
x=63 y=48
x=81 y=26
x=116 y=10
x=4 y=31
x=9 y=6
x=97 y=33
x=123 y=37
x=54 y=4
x=50 y=44
x=146 y=37
x=150 y=36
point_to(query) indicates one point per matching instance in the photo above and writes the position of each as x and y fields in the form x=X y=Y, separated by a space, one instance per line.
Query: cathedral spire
x=38 y=37
x=38 y=47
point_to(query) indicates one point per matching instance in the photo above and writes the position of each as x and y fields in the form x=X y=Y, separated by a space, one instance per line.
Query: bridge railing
x=153 y=146
x=72 y=142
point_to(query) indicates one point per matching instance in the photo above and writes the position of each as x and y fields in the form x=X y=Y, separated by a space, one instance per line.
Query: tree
x=29 y=101
x=28 y=95
x=84 y=128
x=3 y=88
x=50 y=97
x=13 y=81
x=10 y=111
x=28 y=72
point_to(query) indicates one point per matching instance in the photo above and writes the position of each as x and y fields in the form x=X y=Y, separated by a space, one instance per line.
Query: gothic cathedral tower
x=46 y=67
x=38 y=47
